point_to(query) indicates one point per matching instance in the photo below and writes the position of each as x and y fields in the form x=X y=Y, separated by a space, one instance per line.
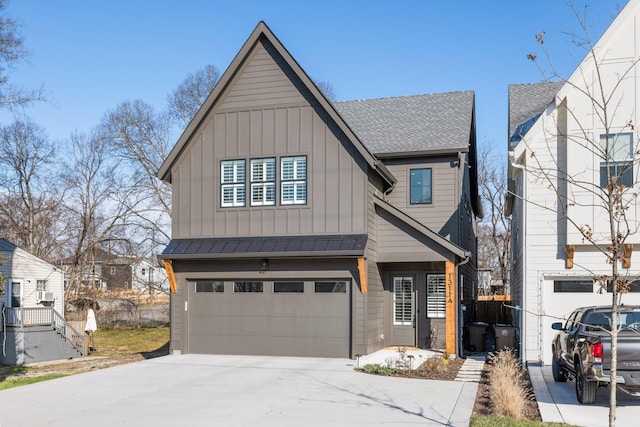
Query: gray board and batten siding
x=237 y=129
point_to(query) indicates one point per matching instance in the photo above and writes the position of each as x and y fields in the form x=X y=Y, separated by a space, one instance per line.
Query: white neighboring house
x=552 y=266
x=31 y=281
x=148 y=276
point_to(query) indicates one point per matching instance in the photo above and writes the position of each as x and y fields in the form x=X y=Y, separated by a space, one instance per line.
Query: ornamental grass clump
x=508 y=385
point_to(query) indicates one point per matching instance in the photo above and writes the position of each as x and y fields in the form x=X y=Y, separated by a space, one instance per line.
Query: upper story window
x=293 y=180
x=232 y=183
x=41 y=285
x=263 y=182
x=420 y=186
x=617 y=148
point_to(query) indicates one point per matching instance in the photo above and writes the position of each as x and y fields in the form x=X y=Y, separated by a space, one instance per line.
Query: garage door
x=283 y=318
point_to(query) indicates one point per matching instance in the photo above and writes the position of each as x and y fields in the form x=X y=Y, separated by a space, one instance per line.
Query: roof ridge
x=407 y=96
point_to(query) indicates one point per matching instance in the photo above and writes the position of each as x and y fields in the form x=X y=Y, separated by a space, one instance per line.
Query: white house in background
x=552 y=266
x=147 y=275
x=30 y=281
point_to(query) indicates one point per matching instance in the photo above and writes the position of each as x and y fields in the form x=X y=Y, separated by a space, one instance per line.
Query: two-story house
x=103 y=269
x=564 y=144
x=309 y=228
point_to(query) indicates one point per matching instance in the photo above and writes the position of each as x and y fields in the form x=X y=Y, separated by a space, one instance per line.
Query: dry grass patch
x=508 y=385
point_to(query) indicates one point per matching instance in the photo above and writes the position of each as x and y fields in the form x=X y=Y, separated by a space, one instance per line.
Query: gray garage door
x=282 y=318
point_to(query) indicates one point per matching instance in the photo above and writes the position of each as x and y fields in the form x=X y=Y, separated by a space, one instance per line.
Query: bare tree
x=94 y=186
x=327 y=89
x=140 y=139
x=593 y=118
x=494 y=230
x=31 y=202
x=185 y=101
x=12 y=51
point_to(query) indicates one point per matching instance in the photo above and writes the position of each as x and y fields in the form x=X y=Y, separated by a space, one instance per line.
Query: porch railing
x=45 y=316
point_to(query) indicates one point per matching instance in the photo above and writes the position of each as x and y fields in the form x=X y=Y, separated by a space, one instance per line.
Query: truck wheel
x=559 y=375
x=585 y=390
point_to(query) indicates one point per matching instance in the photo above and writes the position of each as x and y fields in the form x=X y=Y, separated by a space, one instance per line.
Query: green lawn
x=120 y=345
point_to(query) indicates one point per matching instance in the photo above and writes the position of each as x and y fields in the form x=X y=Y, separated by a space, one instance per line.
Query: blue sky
x=90 y=56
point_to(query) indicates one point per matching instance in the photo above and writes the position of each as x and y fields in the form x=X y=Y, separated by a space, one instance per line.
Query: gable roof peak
x=262 y=30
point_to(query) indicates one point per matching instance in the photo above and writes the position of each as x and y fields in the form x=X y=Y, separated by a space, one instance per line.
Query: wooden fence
x=493 y=310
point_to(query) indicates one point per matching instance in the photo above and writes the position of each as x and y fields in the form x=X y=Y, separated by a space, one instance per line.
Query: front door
x=403 y=329
x=16 y=293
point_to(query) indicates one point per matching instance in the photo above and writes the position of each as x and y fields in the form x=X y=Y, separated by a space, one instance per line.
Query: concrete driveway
x=558 y=403
x=204 y=390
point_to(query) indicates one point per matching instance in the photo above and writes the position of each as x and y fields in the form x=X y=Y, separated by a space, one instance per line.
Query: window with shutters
x=293 y=180
x=263 y=182
x=403 y=300
x=436 y=295
x=232 y=183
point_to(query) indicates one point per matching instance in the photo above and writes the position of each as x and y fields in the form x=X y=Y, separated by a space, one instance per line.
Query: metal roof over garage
x=271 y=246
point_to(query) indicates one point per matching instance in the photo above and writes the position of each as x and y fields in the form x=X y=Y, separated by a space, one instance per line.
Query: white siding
x=540 y=233
x=29 y=269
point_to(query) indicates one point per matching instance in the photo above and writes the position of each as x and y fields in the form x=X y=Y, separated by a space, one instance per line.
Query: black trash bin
x=477 y=331
x=505 y=337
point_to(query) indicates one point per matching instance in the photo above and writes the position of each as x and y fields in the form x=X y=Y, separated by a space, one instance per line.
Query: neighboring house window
x=573 y=286
x=420 y=186
x=620 y=158
x=143 y=272
x=331 y=287
x=41 y=285
x=113 y=270
x=293 y=180
x=209 y=286
x=436 y=296
x=288 y=287
x=232 y=186
x=403 y=300
x=263 y=182
x=247 y=287
x=633 y=286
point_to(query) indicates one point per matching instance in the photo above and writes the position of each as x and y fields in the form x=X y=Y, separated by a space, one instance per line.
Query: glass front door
x=404 y=315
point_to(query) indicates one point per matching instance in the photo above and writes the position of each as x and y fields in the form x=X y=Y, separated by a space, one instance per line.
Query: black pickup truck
x=582 y=350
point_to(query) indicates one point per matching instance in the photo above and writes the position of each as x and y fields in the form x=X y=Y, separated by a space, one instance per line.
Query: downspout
x=387 y=191
x=459 y=322
x=524 y=271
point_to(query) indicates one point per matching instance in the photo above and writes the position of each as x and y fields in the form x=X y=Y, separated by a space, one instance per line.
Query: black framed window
x=436 y=296
x=263 y=182
x=209 y=286
x=573 y=286
x=420 y=186
x=332 y=287
x=232 y=183
x=248 y=287
x=293 y=180
x=288 y=287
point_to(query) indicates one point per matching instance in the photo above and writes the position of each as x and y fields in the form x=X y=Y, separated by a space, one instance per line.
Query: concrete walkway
x=204 y=390
x=471 y=370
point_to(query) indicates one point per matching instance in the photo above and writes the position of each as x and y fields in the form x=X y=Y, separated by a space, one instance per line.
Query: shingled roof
x=526 y=103
x=434 y=122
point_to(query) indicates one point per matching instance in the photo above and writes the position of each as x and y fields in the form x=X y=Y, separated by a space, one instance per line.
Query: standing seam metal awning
x=268 y=246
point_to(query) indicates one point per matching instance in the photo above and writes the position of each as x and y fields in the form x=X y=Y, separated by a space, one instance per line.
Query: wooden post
x=172 y=277
x=362 y=269
x=450 y=312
